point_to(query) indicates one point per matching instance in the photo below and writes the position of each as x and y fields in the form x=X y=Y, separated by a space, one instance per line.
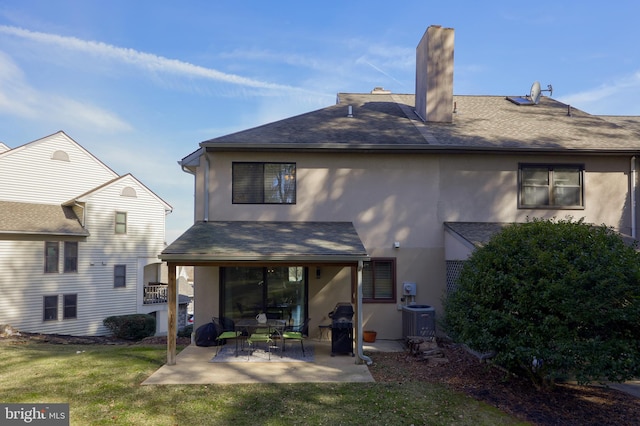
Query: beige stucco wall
x=206 y=294
x=403 y=198
x=485 y=189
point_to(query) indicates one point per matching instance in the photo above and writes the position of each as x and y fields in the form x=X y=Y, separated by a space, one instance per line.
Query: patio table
x=248 y=325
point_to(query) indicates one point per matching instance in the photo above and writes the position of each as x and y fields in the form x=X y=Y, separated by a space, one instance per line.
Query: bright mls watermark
x=35 y=414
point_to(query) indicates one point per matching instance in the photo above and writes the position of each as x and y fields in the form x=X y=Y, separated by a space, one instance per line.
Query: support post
x=361 y=356
x=172 y=328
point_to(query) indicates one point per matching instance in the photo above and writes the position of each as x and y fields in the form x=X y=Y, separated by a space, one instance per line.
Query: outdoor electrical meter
x=408 y=289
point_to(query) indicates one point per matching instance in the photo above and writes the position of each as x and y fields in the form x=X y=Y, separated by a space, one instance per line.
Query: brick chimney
x=434 y=75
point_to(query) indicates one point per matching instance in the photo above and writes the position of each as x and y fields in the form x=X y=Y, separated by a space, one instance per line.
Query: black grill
x=342 y=329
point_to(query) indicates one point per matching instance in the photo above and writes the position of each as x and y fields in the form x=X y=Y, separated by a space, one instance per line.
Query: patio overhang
x=222 y=242
x=254 y=243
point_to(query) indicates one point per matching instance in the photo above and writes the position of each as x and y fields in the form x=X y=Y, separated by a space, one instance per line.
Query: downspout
x=205 y=217
x=361 y=355
x=633 y=196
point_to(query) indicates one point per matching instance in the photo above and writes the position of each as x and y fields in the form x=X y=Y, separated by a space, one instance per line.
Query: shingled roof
x=478 y=234
x=39 y=219
x=388 y=122
x=224 y=241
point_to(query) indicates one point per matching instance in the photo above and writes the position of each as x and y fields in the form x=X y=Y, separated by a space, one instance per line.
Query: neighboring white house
x=78 y=242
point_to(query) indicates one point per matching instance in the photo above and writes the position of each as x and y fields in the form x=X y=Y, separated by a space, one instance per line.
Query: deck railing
x=154 y=294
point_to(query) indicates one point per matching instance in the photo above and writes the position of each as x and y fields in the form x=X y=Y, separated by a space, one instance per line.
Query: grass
x=102 y=385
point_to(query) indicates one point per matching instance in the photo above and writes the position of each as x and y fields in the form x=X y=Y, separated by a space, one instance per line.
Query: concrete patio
x=193 y=367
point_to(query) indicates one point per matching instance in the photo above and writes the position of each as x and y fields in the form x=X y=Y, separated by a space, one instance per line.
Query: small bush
x=553 y=299
x=131 y=327
x=186 y=331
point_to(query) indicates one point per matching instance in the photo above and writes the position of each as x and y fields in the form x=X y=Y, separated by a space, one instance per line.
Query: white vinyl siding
x=25 y=284
x=36 y=177
x=21 y=305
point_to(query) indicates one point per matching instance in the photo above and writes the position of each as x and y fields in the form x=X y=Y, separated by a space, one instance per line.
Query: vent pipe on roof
x=434 y=75
x=350 y=113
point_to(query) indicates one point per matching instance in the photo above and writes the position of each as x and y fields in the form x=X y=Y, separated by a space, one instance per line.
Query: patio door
x=278 y=291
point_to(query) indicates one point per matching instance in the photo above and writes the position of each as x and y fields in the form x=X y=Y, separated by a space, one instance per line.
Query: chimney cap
x=380 y=91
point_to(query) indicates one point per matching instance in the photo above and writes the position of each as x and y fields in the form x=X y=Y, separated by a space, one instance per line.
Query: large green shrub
x=131 y=327
x=553 y=299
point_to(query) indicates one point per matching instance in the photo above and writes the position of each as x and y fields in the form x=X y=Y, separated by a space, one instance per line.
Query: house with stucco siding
x=351 y=202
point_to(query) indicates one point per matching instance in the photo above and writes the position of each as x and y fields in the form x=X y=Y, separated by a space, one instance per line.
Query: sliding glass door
x=280 y=292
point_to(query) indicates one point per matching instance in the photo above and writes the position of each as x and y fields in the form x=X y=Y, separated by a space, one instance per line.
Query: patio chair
x=295 y=333
x=260 y=338
x=228 y=332
x=227 y=335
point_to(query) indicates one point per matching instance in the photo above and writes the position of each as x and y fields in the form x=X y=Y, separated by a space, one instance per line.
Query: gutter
x=361 y=355
x=185 y=169
x=385 y=148
x=258 y=260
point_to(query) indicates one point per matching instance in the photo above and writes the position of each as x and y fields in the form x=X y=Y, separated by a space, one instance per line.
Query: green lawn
x=102 y=385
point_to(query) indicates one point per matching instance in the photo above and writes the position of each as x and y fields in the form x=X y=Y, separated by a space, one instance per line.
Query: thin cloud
x=601 y=99
x=147 y=61
x=275 y=57
x=19 y=99
x=386 y=74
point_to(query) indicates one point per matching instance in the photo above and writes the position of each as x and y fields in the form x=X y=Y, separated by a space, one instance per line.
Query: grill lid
x=342 y=312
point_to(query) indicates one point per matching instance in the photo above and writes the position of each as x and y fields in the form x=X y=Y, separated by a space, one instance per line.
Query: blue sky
x=140 y=83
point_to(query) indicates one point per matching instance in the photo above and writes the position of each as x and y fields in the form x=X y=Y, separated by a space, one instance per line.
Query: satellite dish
x=535 y=92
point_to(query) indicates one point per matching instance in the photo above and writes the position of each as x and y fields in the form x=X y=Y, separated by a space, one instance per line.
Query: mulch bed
x=565 y=405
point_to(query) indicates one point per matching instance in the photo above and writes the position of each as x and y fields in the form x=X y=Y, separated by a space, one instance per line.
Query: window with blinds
x=263 y=183
x=379 y=281
x=551 y=186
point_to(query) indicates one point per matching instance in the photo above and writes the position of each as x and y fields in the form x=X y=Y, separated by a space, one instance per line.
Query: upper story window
x=551 y=186
x=51 y=256
x=70 y=256
x=264 y=183
x=121 y=223
x=379 y=281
